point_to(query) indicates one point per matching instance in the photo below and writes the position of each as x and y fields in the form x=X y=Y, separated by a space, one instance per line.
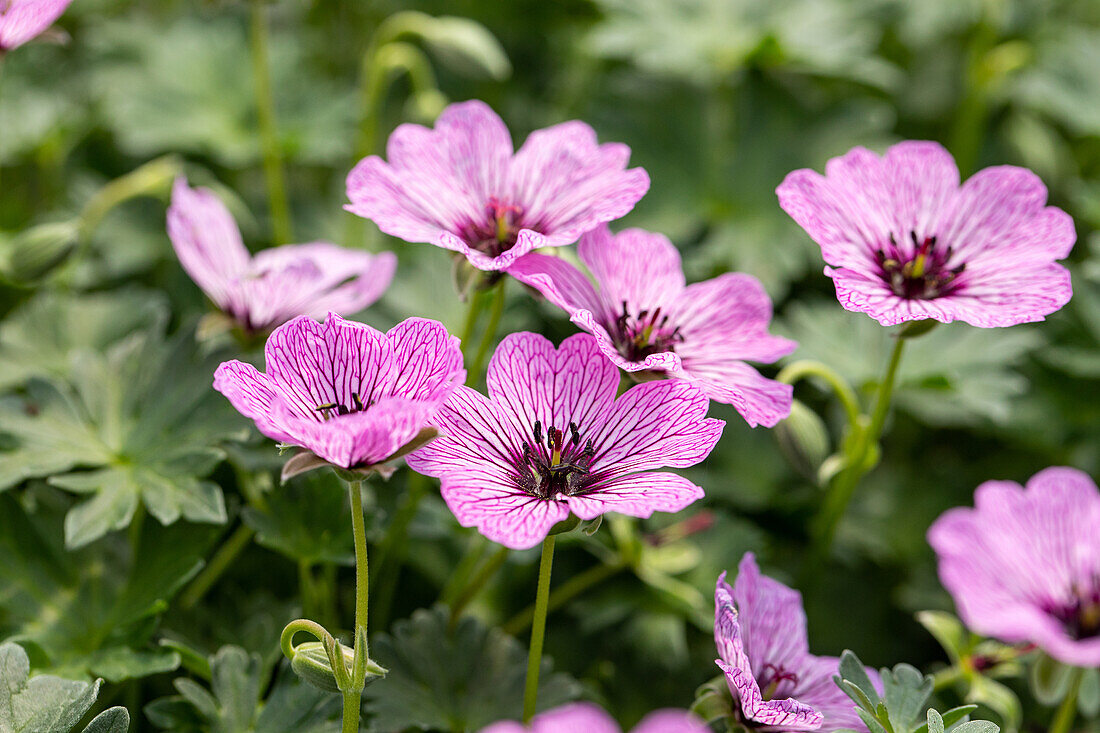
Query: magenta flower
x=351 y=396
x=22 y=20
x=645 y=319
x=589 y=718
x=276 y=284
x=760 y=631
x=551 y=438
x=1024 y=564
x=906 y=242
x=459 y=186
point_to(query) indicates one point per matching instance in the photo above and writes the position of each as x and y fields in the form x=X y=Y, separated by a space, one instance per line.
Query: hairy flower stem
x=353 y=695
x=857 y=464
x=265 y=112
x=799 y=370
x=538 y=631
x=1067 y=711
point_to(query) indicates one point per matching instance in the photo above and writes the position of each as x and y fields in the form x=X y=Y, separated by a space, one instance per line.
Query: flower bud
x=803 y=438
x=311 y=663
x=36 y=251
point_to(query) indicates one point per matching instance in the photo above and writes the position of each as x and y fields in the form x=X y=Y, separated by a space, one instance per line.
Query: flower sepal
x=305 y=460
x=326 y=663
x=469 y=280
x=568 y=524
x=915 y=329
x=713 y=701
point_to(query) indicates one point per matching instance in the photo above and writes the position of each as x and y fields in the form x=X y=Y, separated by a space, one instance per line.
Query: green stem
x=562 y=595
x=217 y=566
x=265 y=111
x=387 y=565
x=353 y=694
x=1067 y=711
x=484 y=574
x=489 y=336
x=538 y=631
x=473 y=310
x=798 y=370
x=844 y=484
x=352 y=701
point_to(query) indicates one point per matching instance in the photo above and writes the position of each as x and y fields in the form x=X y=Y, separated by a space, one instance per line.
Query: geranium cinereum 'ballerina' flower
x=276 y=284
x=551 y=438
x=760 y=631
x=460 y=186
x=645 y=319
x=22 y=20
x=904 y=241
x=1024 y=564
x=584 y=717
x=351 y=396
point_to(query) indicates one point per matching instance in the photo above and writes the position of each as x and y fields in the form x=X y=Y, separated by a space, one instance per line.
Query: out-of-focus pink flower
x=760 y=631
x=645 y=319
x=352 y=396
x=460 y=186
x=551 y=438
x=906 y=242
x=22 y=20
x=277 y=284
x=1024 y=564
x=584 y=717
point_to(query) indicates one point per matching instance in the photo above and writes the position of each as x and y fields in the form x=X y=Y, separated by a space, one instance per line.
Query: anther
x=574 y=433
x=538 y=431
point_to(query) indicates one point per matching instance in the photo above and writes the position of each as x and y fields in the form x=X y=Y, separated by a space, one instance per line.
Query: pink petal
x=670 y=721
x=577 y=717
x=207 y=242
x=251 y=393
x=730 y=312
x=569 y=184
x=761 y=401
x=531 y=380
x=22 y=20
x=499 y=510
x=638 y=267
x=773 y=624
x=476 y=435
x=315 y=364
x=559 y=282
x=636 y=495
x=428 y=360
x=654 y=425
x=526 y=241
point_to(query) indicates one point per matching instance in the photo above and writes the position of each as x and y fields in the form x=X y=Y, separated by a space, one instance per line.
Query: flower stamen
x=921 y=276
x=562 y=469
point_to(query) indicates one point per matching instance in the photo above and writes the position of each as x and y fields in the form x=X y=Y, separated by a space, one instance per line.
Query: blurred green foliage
x=718 y=100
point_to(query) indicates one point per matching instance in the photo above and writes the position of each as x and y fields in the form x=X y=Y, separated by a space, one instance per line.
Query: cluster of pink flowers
x=555 y=436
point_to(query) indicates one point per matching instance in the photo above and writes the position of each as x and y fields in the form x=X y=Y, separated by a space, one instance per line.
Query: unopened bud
x=311 y=663
x=803 y=438
x=36 y=251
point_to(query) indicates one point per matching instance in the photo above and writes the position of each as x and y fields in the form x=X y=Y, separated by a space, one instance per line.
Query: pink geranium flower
x=1024 y=564
x=906 y=242
x=584 y=716
x=22 y=20
x=349 y=395
x=760 y=631
x=460 y=186
x=551 y=438
x=276 y=284
x=645 y=319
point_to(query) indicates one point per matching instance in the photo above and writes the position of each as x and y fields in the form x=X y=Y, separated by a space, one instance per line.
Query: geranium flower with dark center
x=351 y=396
x=552 y=438
x=646 y=319
x=1024 y=564
x=277 y=284
x=459 y=186
x=904 y=241
x=22 y=20
x=760 y=632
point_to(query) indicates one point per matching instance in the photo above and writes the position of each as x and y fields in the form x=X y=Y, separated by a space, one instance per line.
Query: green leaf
x=949 y=632
x=142 y=418
x=454 y=680
x=40 y=338
x=91 y=613
x=235 y=702
x=977 y=726
x=955 y=375
x=853 y=671
x=998 y=698
x=1049 y=678
x=935 y=722
x=306 y=519
x=47 y=704
x=906 y=693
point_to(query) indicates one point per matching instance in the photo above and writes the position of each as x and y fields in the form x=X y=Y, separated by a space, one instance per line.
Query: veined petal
x=476 y=435
x=499 y=510
x=654 y=425
x=634 y=266
x=730 y=312
x=761 y=401
x=559 y=282
x=773 y=624
x=335 y=362
x=636 y=495
x=207 y=242
x=531 y=380
x=251 y=393
x=428 y=359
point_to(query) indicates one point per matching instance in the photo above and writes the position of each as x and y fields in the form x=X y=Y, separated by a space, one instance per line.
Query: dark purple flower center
x=555 y=464
x=497 y=232
x=921 y=275
x=334 y=409
x=776 y=681
x=643 y=333
x=1080 y=616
